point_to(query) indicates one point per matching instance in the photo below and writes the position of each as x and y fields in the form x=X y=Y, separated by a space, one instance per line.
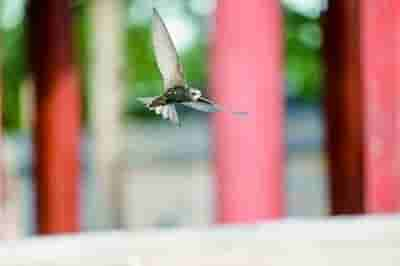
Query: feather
x=208 y=106
x=166 y=55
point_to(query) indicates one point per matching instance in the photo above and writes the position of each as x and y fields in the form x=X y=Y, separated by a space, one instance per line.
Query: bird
x=176 y=89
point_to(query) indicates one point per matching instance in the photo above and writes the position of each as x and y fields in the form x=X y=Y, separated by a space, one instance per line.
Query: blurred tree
x=141 y=72
x=14 y=71
x=81 y=43
x=2 y=177
x=303 y=51
x=303 y=56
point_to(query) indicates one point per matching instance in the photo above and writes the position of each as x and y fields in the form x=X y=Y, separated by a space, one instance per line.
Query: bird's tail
x=167 y=111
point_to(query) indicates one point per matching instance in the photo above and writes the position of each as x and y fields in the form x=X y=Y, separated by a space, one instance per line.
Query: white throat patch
x=195 y=94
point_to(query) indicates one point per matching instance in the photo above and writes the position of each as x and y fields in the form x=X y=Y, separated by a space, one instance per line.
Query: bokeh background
x=162 y=176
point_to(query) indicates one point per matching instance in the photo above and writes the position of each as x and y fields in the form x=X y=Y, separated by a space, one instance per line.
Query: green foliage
x=303 y=62
x=195 y=61
x=13 y=72
x=81 y=31
x=303 y=56
x=141 y=75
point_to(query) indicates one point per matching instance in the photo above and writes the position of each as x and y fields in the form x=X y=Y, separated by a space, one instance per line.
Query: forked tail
x=167 y=112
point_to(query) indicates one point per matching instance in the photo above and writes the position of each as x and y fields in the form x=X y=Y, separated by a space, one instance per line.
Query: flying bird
x=176 y=89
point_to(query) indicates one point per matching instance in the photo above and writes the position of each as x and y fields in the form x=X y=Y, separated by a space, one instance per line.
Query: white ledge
x=372 y=240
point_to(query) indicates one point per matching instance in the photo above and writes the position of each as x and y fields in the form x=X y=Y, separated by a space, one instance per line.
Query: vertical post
x=2 y=176
x=363 y=59
x=106 y=110
x=8 y=184
x=247 y=76
x=57 y=118
x=343 y=101
x=380 y=60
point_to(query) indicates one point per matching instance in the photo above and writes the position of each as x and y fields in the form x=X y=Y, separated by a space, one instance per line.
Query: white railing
x=366 y=241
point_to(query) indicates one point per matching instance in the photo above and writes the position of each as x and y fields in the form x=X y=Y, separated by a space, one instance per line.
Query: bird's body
x=174 y=95
x=176 y=90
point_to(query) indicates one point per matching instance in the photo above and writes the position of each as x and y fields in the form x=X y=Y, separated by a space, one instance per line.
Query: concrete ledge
x=336 y=241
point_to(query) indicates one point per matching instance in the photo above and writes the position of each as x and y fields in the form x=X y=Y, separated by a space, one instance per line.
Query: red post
x=343 y=102
x=247 y=76
x=362 y=49
x=57 y=116
x=380 y=60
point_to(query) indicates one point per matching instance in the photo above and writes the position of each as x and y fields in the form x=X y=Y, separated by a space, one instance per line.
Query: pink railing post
x=380 y=60
x=247 y=76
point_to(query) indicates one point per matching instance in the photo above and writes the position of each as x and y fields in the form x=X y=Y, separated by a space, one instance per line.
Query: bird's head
x=194 y=94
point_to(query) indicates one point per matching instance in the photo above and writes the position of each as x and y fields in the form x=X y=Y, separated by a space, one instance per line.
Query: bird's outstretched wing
x=206 y=105
x=166 y=54
x=203 y=107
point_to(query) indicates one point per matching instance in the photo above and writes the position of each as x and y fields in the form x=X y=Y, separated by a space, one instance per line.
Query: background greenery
x=303 y=51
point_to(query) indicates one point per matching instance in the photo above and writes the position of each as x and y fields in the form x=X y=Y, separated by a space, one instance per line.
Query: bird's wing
x=166 y=54
x=206 y=105
x=203 y=107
